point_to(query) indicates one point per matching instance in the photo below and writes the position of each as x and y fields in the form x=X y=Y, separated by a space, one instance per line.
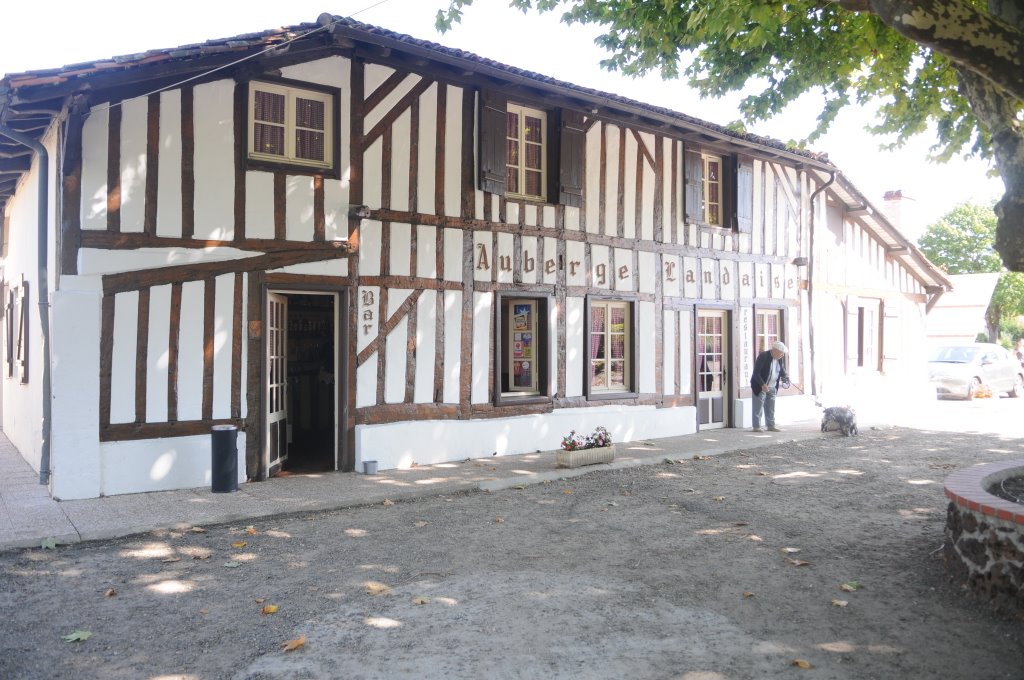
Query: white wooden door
x=712 y=368
x=275 y=440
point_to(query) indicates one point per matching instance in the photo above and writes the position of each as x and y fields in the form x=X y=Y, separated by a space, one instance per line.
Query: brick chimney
x=901 y=211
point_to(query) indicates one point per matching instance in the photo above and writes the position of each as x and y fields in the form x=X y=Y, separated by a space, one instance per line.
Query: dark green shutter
x=570 y=167
x=493 y=121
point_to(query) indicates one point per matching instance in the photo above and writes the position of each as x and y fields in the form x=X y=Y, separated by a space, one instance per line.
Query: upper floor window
x=712 y=189
x=290 y=125
x=719 y=190
x=530 y=153
x=526 y=143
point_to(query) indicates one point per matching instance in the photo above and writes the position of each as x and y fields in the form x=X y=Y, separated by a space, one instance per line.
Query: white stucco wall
x=399 y=445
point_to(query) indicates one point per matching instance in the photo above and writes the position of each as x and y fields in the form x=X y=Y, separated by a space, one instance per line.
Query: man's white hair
x=780 y=346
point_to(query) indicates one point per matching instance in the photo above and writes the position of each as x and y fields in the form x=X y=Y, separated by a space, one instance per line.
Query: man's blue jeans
x=764 y=401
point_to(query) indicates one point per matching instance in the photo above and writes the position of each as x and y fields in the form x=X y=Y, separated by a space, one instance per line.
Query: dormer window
x=292 y=126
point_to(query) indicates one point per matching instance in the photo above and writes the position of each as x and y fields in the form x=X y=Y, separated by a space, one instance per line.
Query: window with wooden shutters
x=526 y=152
x=530 y=153
x=712 y=212
x=16 y=318
x=292 y=126
x=610 y=338
x=711 y=190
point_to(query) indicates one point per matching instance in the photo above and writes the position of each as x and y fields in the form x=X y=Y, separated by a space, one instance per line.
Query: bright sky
x=62 y=32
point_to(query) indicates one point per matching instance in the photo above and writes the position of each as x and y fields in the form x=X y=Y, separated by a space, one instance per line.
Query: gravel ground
x=731 y=567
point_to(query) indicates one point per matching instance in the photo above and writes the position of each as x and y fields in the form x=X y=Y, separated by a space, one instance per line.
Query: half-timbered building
x=352 y=244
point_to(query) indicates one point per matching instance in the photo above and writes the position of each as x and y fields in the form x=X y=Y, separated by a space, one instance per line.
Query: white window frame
x=290 y=94
x=707 y=159
x=523 y=112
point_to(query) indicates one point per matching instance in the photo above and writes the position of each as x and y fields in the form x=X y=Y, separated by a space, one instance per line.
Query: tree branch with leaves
x=957 y=65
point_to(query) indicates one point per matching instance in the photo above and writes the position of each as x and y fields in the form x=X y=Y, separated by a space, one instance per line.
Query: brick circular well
x=984 y=545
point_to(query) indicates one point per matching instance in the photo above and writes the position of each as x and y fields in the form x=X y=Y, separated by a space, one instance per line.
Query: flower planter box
x=580 y=457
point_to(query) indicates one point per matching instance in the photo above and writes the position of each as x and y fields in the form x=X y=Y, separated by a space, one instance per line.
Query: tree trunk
x=997 y=114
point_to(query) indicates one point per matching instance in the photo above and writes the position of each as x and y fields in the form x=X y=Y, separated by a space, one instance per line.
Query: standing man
x=769 y=371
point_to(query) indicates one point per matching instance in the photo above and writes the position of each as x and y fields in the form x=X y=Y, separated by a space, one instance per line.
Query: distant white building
x=959 y=314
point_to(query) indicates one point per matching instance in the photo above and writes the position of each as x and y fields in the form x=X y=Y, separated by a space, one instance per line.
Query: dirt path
x=666 y=571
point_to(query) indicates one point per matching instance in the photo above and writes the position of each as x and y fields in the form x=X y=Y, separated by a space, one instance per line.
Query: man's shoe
x=757 y=429
x=772 y=428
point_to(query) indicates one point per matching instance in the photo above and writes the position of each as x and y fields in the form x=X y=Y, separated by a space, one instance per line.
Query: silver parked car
x=959 y=370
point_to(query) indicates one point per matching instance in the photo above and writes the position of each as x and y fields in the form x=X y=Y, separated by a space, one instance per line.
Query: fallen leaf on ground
x=791 y=550
x=519 y=487
x=204 y=612
x=851 y=586
x=499 y=520
x=839 y=603
x=109 y=592
x=48 y=543
x=747 y=593
x=260 y=600
x=567 y=491
x=200 y=557
x=76 y=636
x=292 y=645
x=388 y=501
x=269 y=609
x=420 y=524
x=740 y=524
x=171 y=559
x=798 y=563
x=232 y=564
x=251 y=531
x=421 y=600
x=239 y=545
x=762 y=474
x=612 y=503
x=197 y=530
x=801 y=663
x=755 y=537
x=718 y=498
x=696 y=457
x=374 y=588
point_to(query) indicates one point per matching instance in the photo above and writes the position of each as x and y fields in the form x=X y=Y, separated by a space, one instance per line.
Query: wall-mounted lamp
x=800 y=261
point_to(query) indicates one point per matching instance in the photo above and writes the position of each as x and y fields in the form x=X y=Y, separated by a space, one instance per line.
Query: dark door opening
x=311 y=384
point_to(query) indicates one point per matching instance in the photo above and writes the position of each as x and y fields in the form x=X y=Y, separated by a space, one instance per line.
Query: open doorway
x=301 y=383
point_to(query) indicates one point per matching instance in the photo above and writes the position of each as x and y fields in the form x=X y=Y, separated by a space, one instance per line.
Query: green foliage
x=786 y=49
x=1010 y=331
x=963 y=241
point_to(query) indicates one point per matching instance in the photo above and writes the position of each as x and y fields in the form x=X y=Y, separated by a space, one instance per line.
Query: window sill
x=511 y=399
x=604 y=396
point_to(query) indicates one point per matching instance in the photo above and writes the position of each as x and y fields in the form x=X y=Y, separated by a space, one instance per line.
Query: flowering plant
x=600 y=437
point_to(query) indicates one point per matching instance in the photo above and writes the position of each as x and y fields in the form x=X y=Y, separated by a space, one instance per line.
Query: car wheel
x=1018 y=386
x=972 y=387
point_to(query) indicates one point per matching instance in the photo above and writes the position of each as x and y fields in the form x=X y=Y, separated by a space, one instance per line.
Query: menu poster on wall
x=524 y=370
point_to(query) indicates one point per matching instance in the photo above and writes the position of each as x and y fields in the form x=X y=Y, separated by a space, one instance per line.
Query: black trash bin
x=224 y=459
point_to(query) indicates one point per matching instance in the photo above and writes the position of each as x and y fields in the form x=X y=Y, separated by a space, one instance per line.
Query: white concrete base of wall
x=787 y=410
x=160 y=464
x=399 y=445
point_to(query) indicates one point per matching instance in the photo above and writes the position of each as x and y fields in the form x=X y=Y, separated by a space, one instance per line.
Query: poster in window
x=521 y=358
x=521 y=317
